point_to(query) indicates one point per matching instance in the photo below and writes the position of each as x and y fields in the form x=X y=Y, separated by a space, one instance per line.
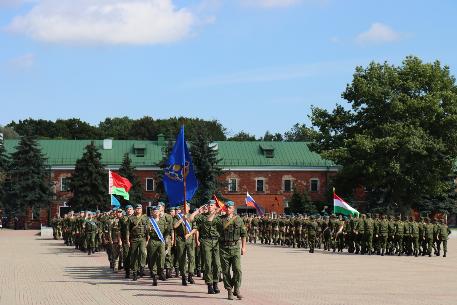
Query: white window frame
x=153 y=184
x=229 y=184
x=61 y=184
x=318 y=185
x=284 y=185
x=263 y=190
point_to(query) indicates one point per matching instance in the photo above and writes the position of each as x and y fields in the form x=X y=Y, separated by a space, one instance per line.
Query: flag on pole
x=114 y=202
x=179 y=166
x=342 y=207
x=119 y=185
x=220 y=203
x=250 y=202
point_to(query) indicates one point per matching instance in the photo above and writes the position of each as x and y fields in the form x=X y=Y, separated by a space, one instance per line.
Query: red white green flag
x=119 y=185
x=342 y=207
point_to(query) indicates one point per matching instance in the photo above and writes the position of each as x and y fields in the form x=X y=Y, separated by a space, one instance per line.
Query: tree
x=300 y=203
x=116 y=128
x=207 y=170
x=242 y=136
x=75 y=129
x=9 y=133
x=300 y=133
x=277 y=137
x=89 y=183
x=445 y=203
x=128 y=171
x=4 y=170
x=399 y=138
x=30 y=177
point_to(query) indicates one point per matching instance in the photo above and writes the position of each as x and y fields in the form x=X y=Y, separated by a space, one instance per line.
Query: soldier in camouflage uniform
x=312 y=230
x=399 y=234
x=254 y=229
x=90 y=230
x=442 y=236
x=115 y=241
x=137 y=237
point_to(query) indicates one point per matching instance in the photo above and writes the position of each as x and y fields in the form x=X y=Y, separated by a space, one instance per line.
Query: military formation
x=364 y=234
x=207 y=242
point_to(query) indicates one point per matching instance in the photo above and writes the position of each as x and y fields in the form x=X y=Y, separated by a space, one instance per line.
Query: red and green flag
x=119 y=185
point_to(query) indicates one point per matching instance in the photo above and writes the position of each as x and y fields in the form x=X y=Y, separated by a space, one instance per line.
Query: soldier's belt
x=210 y=237
x=229 y=243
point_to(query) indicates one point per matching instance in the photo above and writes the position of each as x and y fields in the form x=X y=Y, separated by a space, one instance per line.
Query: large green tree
x=90 y=182
x=29 y=177
x=399 y=135
x=299 y=202
x=127 y=170
x=205 y=160
x=4 y=171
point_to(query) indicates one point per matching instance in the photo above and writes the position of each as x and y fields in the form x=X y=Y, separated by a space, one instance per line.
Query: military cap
x=119 y=211
x=230 y=203
x=98 y=211
x=172 y=208
x=212 y=202
x=160 y=203
x=155 y=207
x=138 y=206
x=129 y=206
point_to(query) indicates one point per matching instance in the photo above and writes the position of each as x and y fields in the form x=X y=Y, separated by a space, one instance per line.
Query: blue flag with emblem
x=179 y=168
x=157 y=229
x=114 y=202
x=186 y=223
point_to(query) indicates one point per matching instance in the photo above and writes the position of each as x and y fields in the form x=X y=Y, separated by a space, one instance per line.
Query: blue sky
x=254 y=65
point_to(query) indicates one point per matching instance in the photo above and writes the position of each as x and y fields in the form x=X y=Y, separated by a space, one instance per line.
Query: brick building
x=267 y=170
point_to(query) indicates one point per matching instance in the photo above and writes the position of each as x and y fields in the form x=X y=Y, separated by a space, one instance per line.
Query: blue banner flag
x=179 y=166
x=114 y=202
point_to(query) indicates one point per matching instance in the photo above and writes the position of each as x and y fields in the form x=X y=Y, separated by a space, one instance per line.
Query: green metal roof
x=233 y=154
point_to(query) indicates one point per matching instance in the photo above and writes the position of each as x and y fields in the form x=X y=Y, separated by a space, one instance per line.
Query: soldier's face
x=230 y=210
x=129 y=211
x=211 y=207
x=138 y=211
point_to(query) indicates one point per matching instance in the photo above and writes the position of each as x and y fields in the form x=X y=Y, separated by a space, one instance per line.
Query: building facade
x=269 y=171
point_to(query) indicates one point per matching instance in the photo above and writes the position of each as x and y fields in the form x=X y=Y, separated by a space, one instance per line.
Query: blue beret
x=156 y=207
x=129 y=206
x=230 y=203
x=161 y=203
x=138 y=206
x=212 y=202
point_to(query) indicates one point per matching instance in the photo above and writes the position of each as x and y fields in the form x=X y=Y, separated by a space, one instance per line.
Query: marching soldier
x=137 y=236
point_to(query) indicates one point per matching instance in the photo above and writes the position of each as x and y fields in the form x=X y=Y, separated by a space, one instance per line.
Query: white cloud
x=105 y=22
x=270 y=3
x=23 y=62
x=378 y=33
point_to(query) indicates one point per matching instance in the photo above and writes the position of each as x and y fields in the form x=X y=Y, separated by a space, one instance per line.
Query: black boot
x=444 y=255
x=382 y=252
x=237 y=293
x=230 y=294
x=141 y=273
x=88 y=252
x=184 y=282
x=135 y=276
x=127 y=273
x=168 y=273
x=190 y=279
x=154 y=280
x=162 y=276
x=210 y=289
x=199 y=274
x=176 y=272
x=215 y=288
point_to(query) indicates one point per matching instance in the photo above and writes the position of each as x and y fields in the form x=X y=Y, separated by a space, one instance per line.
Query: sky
x=254 y=65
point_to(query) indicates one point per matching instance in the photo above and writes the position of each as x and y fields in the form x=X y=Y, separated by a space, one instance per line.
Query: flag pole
x=184 y=172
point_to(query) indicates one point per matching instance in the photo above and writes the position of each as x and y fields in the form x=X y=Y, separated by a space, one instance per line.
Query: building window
x=150 y=187
x=233 y=185
x=260 y=185
x=65 y=184
x=314 y=185
x=287 y=187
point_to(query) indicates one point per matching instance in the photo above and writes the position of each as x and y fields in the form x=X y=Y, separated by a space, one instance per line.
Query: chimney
x=107 y=144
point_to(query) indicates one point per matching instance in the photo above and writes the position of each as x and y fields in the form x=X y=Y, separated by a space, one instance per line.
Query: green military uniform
x=442 y=236
x=90 y=230
x=399 y=234
x=156 y=246
x=369 y=231
x=115 y=243
x=383 y=234
x=231 y=229
x=209 y=237
x=137 y=232
x=429 y=236
x=254 y=229
x=415 y=233
x=123 y=223
x=311 y=226
x=185 y=247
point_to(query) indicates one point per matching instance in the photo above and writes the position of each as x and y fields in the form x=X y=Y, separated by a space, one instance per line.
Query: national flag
x=114 y=202
x=250 y=202
x=342 y=207
x=119 y=185
x=220 y=203
x=179 y=166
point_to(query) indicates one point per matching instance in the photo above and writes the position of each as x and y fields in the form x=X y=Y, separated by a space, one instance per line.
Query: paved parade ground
x=35 y=271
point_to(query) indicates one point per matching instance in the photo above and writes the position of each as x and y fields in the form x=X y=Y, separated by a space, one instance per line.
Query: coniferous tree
x=90 y=182
x=300 y=203
x=4 y=168
x=30 y=177
x=207 y=170
x=128 y=171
